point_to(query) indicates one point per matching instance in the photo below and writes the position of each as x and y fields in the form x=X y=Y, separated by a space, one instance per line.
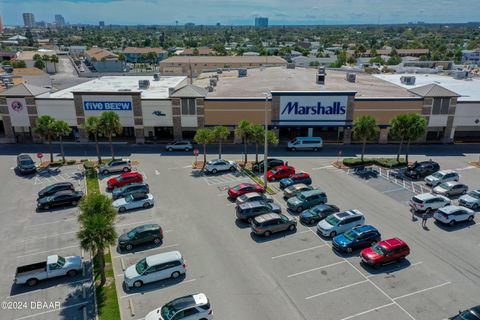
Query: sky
x=242 y=12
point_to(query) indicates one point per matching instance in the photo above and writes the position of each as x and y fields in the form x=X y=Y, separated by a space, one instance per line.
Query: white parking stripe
x=43 y=224
x=298 y=251
x=368 y=311
x=53 y=250
x=154 y=291
x=315 y=269
x=337 y=289
x=420 y=291
x=138 y=222
x=49 y=236
x=62 y=308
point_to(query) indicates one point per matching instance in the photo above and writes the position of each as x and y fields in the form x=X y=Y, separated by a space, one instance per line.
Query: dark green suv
x=147 y=233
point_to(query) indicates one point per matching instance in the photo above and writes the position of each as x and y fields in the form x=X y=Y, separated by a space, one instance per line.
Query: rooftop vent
x=171 y=91
x=156 y=77
x=242 y=73
x=213 y=82
x=143 y=84
x=291 y=65
x=351 y=77
x=210 y=89
x=408 y=80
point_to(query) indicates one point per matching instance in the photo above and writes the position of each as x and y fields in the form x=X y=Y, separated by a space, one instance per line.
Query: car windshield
x=141 y=266
x=61 y=261
x=415 y=199
x=168 y=311
x=238 y=187
x=26 y=162
x=350 y=235
x=273 y=171
x=467 y=315
x=378 y=249
x=129 y=198
x=333 y=220
x=438 y=175
x=301 y=197
x=474 y=194
x=444 y=186
x=132 y=234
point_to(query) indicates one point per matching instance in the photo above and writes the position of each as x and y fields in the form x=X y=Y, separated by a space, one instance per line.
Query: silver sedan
x=451 y=188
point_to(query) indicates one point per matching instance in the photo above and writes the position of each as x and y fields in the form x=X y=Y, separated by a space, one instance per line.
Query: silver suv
x=179 y=146
x=116 y=165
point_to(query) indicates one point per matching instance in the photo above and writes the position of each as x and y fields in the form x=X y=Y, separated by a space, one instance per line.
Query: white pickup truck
x=55 y=266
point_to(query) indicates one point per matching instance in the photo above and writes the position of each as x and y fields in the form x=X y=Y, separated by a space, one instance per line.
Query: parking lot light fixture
x=265 y=153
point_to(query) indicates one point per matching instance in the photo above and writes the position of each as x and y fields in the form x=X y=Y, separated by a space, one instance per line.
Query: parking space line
x=315 y=269
x=49 y=236
x=58 y=285
x=39 y=252
x=324 y=167
x=138 y=222
x=392 y=190
x=147 y=292
x=43 y=224
x=298 y=251
x=423 y=290
x=390 y=271
x=59 y=309
x=336 y=289
x=368 y=311
x=156 y=248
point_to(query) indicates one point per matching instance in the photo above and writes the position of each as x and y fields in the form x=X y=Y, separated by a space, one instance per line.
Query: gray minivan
x=248 y=210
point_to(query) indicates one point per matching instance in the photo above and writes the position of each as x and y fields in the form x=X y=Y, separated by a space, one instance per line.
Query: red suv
x=243 y=188
x=384 y=252
x=124 y=179
x=280 y=172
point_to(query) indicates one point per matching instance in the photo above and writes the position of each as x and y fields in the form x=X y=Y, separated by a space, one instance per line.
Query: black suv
x=54 y=188
x=123 y=192
x=271 y=163
x=146 y=233
x=421 y=169
x=25 y=164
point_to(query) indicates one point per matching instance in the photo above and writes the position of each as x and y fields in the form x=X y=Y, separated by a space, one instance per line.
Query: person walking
x=424 y=219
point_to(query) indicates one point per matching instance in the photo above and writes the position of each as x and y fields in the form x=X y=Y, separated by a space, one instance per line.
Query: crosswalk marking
x=214 y=180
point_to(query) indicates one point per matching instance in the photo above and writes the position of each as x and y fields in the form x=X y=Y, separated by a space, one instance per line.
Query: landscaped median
x=106 y=295
x=382 y=162
x=257 y=179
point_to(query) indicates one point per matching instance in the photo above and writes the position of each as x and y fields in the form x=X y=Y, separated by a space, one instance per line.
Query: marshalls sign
x=313 y=110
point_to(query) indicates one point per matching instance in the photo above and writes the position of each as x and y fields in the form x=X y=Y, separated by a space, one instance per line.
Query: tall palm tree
x=365 y=128
x=92 y=126
x=97 y=227
x=257 y=136
x=417 y=128
x=220 y=133
x=204 y=136
x=399 y=129
x=109 y=125
x=62 y=129
x=46 y=129
x=243 y=129
x=54 y=60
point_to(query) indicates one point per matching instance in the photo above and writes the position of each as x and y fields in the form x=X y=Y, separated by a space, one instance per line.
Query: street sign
x=195 y=152
x=39 y=155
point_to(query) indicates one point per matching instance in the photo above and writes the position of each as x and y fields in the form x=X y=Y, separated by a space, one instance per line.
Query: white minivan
x=154 y=268
x=305 y=143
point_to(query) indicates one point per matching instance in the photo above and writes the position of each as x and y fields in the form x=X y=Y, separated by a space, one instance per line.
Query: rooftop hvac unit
x=408 y=80
x=321 y=70
x=213 y=82
x=290 y=65
x=351 y=77
x=156 y=77
x=143 y=84
x=219 y=71
x=210 y=89
x=460 y=75
x=242 y=73
x=320 y=78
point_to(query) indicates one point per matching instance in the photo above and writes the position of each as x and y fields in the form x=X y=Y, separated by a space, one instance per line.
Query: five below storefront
x=325 y=114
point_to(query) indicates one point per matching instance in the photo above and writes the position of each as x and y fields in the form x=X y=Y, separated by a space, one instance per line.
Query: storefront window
x=440 y=105
x=188 y=107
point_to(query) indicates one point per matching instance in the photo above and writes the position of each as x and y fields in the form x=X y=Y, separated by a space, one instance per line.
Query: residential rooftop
x=224 y=59
x=469 y=90
x=156 y=90
x=269 y=79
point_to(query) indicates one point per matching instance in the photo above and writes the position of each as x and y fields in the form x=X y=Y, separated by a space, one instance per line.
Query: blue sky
x=242 y=11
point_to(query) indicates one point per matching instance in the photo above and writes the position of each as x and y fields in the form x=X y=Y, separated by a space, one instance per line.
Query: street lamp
x=265 y=151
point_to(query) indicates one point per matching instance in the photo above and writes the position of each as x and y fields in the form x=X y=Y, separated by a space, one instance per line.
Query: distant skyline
x=226 y=12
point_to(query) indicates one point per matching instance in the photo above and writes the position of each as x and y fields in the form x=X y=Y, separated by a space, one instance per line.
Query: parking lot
x=296 y=275
x=29 y=236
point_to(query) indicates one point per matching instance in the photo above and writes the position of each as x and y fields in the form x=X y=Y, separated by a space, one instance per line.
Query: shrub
x=57 y=163
x=71 y=161
x=88 y=165
x=353 y=162
x=383 y=162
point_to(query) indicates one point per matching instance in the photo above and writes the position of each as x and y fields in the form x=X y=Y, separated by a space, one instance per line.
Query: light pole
x=265 y=151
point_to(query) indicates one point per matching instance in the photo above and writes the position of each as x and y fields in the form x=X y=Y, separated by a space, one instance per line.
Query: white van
x=154 y=268
x=305 y=143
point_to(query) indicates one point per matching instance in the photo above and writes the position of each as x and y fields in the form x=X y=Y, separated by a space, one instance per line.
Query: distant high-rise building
x=28 y=20
x=189 y=25
x=101 y=23
x=1 y=25
x=59 y=20
x=261 y=22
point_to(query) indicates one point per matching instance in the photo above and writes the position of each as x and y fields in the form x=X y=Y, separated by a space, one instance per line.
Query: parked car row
x=58 y=195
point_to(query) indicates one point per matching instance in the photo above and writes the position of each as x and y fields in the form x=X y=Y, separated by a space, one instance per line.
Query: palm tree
x=109 y=125
x=203 y=136
x=365 y=128
x=46 y=129
x=46 y=58
x=92 y=126
x=39 y=64
x=54 y=60
x=417 y=128
x=243 y=130
x=257 y=136
x=399 y=129
x=272 y=138
x=97 y=228
x=220 y=133
x=62 y=129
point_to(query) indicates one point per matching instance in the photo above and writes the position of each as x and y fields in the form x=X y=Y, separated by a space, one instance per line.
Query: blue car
x=300 y=177
x=358 y=237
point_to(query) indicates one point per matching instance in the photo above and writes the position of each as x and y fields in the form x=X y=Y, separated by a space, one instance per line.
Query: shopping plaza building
x=297 y=102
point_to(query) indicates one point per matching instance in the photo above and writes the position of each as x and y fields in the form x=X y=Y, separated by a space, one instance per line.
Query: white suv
x=340 y=222
x=440 y=177
x=218 y=165
x=453 y=214
x=192 y=307
x=428 y=202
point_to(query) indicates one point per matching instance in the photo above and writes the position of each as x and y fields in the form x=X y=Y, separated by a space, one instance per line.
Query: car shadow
x=387 y=269
x=456 y=227
x=154 y=285
x=274 y=236
x=346 y=255
x=139 y=248
x=242 y=224
x=134 y=210
x=55 y=209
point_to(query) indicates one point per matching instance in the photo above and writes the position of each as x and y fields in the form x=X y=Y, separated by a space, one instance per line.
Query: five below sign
x=107 y=105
